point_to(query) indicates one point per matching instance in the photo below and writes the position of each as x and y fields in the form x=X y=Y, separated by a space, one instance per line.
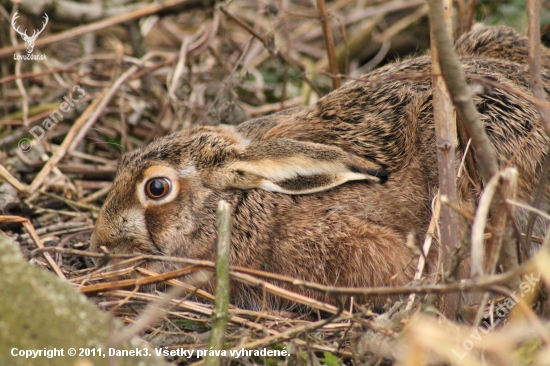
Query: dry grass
x=150 y=71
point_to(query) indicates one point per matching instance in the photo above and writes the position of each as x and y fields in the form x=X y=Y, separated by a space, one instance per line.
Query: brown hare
x=326 y=193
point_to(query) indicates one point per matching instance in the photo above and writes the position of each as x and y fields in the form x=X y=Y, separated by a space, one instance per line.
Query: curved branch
x=461 y=93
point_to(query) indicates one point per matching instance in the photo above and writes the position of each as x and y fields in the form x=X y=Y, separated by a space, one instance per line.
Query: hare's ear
x=296 y=167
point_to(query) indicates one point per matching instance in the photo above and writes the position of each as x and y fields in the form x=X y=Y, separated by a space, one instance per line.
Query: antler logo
x=29 y=41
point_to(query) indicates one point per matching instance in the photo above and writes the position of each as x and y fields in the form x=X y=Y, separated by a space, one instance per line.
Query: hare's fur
x=326 y=193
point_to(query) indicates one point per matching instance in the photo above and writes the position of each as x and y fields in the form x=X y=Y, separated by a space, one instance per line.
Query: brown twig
x=461 y=93
x=220 y=315
x=184 y=285
x=445 y=135
x=352 y=48
x=117 y=285
x=436 y=211
x=69 y=202
x=329 y=43
x=478 y=227
x=471 y=15
x=503 y=245
x=11 y=180
x=537 y=87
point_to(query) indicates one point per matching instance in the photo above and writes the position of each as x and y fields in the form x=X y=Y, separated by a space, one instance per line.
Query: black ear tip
x=382 y=174
x=379 y=172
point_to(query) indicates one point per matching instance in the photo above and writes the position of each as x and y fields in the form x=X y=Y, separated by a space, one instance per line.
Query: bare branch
x=220 y=315
x=533 y=11
x=445 y=134
x=329 y=42
x=461 y=93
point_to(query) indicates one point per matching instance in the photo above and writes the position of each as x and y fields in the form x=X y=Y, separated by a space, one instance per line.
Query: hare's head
x=164 y=196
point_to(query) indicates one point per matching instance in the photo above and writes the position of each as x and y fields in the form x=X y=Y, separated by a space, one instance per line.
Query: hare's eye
x=157 y=188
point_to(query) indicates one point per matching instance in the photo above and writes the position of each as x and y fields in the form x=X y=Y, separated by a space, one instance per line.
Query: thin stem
x=220 y=316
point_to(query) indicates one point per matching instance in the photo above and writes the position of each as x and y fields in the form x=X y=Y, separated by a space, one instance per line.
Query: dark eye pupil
x=157 y=187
